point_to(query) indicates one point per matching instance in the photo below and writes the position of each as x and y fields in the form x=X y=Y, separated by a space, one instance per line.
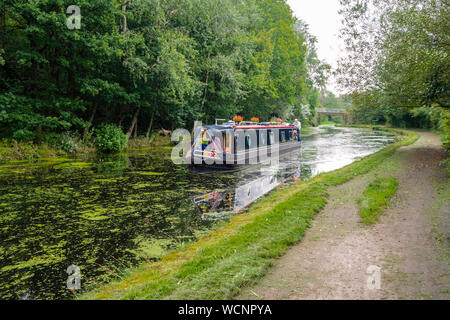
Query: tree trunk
x=135 y=130
x=91 y=119
x=206 y=89
x=133 y=122
x=119 y=123
x=205 y=93
x=149 y=130
x=125 y=24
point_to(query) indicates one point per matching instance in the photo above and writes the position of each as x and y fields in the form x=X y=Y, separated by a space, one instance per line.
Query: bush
x=68 y=142
x=445 y=129
x=110 y=138
x=23 y=135
x=427 y=117
x=445 y=136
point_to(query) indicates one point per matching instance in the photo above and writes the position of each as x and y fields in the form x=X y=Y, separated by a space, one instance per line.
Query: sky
x=324 y=23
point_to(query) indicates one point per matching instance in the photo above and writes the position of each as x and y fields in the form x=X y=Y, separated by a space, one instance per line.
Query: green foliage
x=370 y=107
x=445 y=135
x=400 y=48
x=329 y=100
x=445 y=127
x=110 y=139
x=427 y=117
x=375 y=198
x=398 y=66
x=161 y=63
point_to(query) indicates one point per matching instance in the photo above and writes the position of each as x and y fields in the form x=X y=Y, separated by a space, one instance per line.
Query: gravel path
x=410 y=244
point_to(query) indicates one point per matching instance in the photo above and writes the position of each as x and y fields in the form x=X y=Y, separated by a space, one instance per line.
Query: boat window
x=290 y=132
x=239 y=141
x=282 y=136
x=271 y=138
x=262 y=138
x=224 y=141
x=251 y=138
x=229 y=140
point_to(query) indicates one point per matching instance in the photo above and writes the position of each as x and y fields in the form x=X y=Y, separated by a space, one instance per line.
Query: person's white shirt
x=298 y=124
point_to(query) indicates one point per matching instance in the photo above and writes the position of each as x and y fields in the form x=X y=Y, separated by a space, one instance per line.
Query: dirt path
x=410 y=243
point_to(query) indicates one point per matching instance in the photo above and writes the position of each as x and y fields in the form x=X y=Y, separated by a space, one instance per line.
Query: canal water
x=112 y=213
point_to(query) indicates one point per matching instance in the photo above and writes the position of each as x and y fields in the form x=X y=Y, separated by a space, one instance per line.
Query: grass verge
x=220 y=264
x=26 y=151
x=375 y=199
x=70 y=146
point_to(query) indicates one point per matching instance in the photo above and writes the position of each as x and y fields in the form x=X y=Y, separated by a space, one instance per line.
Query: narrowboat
x=231 y=143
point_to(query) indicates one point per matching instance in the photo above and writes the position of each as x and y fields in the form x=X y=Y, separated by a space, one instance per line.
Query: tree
x=147 y=64
x=400 y=48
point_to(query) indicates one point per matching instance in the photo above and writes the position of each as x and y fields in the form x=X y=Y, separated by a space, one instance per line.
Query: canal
x=112 y=213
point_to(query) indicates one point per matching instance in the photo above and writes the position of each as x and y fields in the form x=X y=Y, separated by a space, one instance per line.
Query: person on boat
x=297 y=124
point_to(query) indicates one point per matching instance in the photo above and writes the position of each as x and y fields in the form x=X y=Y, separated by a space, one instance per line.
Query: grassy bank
x=68 y=146
x=13 y=150
x=235 y=255
x=375 y=198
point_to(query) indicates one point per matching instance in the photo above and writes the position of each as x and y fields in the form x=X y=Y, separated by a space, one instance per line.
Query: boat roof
x=249 y=125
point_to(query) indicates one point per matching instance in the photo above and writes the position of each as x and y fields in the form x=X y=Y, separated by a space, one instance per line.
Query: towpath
x=410 y=244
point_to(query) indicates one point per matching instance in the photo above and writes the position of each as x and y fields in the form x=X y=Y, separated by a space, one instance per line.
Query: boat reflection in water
x=256 y=182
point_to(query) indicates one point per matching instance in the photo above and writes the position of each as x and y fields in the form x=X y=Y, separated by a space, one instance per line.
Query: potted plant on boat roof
x=255 y=119
x=238 y=119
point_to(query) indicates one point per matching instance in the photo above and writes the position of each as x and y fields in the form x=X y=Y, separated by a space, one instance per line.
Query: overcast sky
x=324 y=23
